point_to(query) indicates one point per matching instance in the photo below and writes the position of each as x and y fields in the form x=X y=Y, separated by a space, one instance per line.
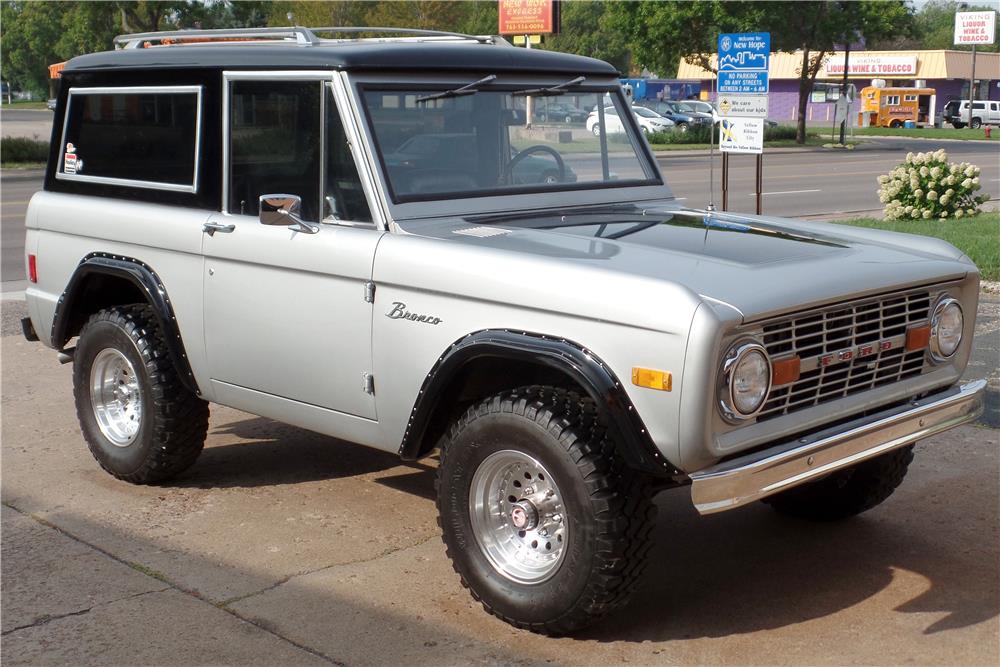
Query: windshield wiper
x=558 y=89
x=468 y=89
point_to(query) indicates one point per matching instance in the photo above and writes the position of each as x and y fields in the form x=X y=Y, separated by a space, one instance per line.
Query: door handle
x=212 y=227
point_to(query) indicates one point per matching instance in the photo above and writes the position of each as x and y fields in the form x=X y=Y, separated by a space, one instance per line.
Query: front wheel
x=541 y=518
x=846 y=492
x=140 y=422
x=958 y=126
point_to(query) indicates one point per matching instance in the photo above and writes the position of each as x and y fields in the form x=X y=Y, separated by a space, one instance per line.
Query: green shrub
x=20 y=149
x=927 y=186
x=701 y=135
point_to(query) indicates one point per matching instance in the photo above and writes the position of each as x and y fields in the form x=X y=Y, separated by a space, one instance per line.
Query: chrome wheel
x=116 y=397
x=518 y=517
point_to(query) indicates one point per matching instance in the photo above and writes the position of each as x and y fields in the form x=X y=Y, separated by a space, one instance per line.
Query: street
x=27 y=123
x=802 y=183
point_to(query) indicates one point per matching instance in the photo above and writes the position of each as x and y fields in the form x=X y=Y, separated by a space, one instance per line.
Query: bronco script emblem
x=399 y=312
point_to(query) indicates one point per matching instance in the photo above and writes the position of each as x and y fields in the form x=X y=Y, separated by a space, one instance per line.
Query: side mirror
x=283 y=210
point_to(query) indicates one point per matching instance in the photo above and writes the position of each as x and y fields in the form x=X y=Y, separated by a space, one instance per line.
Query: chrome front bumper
x=754 y=476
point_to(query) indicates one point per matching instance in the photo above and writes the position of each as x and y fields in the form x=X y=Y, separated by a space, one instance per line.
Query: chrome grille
x=867 y=322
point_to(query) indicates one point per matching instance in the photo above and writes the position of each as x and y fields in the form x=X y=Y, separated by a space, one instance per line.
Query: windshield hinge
x=369 y=383
x=369 y=291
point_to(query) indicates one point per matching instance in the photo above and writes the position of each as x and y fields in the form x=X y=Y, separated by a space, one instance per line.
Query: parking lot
x=285 y=547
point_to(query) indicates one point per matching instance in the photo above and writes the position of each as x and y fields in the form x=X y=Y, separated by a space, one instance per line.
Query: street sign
x=528 y=17
x=753 y=106
x=975 y=27
x=741 y=135
x=743 y=61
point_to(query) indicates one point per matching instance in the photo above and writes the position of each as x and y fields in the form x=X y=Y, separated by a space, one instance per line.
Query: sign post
x=743 y=86
x=974 y=28
x=528 y=19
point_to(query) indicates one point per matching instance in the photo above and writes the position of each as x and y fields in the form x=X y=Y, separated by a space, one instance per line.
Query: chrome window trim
x=130 y=182
x=344 y=95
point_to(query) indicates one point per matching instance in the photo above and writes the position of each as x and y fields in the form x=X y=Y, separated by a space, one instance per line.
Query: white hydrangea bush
x=927 y=186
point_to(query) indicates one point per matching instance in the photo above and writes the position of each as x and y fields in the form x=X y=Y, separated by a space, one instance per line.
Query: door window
x=343 y=198
x=274 y=144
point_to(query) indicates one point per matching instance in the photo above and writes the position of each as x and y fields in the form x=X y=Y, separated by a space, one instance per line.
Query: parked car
x=561 y=113
x=984 y=112
x=230 y=223
x=649 y=121
x=681 y=117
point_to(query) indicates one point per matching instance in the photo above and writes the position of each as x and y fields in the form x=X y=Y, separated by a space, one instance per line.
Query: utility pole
x=972 y=85
x=843 y=93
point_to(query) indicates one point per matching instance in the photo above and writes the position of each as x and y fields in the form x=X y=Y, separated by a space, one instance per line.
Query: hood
x=760 y=266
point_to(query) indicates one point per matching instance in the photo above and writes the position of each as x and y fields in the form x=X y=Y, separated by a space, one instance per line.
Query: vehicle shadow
x=271 y=453
x=752 y=569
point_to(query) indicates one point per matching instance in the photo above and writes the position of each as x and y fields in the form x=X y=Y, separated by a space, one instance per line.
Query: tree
x=660 y=34
x=587 y=29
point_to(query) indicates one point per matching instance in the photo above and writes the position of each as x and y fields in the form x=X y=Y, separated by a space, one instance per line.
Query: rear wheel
x=976 y=123
x=895 y=124
x=596 y=130
x=846 y=492
x=542 y=520
x=140 y=422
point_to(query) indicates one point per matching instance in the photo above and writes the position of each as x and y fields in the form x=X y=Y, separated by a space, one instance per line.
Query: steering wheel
x=508 y=171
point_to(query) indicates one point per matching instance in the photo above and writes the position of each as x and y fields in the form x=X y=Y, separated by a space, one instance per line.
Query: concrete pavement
x=285 y=547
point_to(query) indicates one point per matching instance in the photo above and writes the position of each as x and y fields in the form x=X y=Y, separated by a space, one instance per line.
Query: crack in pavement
x=284 y=580
x=149 y=572
x=45 y=619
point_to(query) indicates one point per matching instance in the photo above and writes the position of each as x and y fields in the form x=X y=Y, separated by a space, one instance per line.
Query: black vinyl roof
x=428 y=56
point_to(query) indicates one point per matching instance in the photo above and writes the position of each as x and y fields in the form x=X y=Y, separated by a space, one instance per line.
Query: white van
x=984 y=112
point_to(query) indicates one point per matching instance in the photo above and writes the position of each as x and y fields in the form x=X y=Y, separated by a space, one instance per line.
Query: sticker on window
x=70 y=161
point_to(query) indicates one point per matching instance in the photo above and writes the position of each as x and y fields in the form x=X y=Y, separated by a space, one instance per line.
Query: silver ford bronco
x=363 y=236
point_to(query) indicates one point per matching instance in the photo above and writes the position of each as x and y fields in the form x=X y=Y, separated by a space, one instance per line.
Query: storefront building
x=947 y=72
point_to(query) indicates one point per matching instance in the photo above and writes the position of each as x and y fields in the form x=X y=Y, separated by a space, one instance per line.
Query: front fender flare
x=144 y=278
x=566 y=356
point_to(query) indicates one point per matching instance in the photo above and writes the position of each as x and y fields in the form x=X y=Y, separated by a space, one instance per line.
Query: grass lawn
x=21 y=104
x=927 y=133
x=977 y=237
x=811 y=140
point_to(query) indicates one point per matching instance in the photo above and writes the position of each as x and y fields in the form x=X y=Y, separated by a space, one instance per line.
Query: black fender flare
x=143 y=277
x=572 y=359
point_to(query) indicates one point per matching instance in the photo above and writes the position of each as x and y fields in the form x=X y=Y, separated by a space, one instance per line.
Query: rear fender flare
x=145 y=279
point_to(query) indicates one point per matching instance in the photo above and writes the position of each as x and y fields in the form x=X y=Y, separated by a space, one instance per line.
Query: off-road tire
x=174 y=421
x=608 y=507
x=847 y=492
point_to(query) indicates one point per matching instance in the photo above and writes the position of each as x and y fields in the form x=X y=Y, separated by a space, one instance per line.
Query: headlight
x=745 y=381
x=946 y=329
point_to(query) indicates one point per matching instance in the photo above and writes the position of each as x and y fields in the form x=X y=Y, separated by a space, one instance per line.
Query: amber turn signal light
x=785 y=371
x=918 y=338
x=651 y=378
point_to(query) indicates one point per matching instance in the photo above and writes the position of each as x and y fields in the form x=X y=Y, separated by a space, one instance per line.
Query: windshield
x=645 y=113
x=437 y=143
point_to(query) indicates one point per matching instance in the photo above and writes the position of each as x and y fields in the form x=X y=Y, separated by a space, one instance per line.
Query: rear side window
x=144 y=137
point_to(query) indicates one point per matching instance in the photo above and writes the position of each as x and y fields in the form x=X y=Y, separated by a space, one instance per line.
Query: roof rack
x=301 y=35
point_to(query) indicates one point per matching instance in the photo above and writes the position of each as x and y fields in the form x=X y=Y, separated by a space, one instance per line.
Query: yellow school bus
x=892 y=107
